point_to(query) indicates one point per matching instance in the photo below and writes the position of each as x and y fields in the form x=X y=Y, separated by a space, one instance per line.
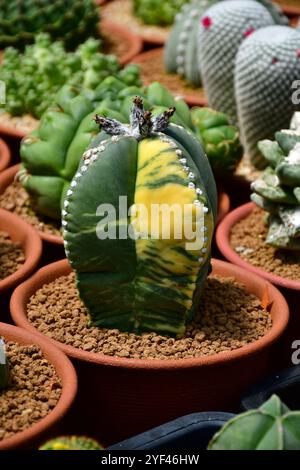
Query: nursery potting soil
x=33 y=391
x=24 y=123
x=15 y=199
x=248 y=240
x=11 y=256
x=228 y=318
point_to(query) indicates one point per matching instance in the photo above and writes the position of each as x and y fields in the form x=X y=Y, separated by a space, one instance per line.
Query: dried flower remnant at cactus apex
x=141 y=284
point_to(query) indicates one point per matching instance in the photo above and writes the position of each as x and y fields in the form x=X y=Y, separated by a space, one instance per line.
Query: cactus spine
x=223 y=28
x=277 y=191
x=139 y=282
x=267 y=65
x=4 y=371
x=271 y=427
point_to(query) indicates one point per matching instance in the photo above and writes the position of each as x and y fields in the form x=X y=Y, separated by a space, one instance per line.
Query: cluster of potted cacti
x=121 y=173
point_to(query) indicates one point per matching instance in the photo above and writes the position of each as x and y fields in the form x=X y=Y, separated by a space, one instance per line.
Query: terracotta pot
x=223 y=205
x=120 y=397
x=5 y=155
x=6 y=178
x=290 y=289
x=289 y=10
x=135 y=42
x=35 y=435
x=193 y=98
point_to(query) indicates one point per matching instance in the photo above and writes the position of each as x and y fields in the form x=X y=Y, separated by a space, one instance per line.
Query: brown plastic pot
x=290 y=289
x=121 y=397
x=193 y=98
x=32 y=437
x=5 y=155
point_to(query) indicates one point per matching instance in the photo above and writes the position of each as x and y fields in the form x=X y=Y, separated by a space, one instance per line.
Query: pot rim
x=6 y=178
x=136 y=43
x=64 y=369
x=31 y=246
x=279 y=312
x=223 y=243
x=191 y=99
x=5 y=155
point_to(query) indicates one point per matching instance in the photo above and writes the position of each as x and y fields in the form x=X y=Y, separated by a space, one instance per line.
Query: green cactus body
x=71 y=443
x=181 y=50
x=271 y=427
x=278 y=188
x=4 y=371
x=220 y=140
x=51 y=154
x=157 y=12
x=67 y=20
x=149 y=282
x=223 y=28
x=267 y=64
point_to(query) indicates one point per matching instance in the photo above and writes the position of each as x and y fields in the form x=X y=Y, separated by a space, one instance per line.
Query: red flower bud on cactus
x=249 y=32
x=206 y=22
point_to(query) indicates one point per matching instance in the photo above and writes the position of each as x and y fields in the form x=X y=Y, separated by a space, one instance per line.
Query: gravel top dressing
x=248 y=239
x=34 y=389
x=11 y=256
x=15 y=199
x=229 y=318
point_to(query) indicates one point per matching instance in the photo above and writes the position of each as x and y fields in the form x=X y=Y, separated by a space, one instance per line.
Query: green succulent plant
x=34 y=77
x=71 y=443
x=220 y=139
x=156 y=12
x=67 y=20
x=131 y=275
x=4 y=370
x=271 y=427
x=277 y=190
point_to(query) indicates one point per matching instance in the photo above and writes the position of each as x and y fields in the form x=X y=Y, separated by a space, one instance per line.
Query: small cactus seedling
x=277 y=191
x=4 y=371
x=157 y=12
x=271 y=427
x=133 y=272
x=223 y=28
x=267 y=65
x=220 y=140
x=71 y=443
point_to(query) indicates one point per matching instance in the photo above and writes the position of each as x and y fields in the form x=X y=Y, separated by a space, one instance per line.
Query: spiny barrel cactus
x=136 y=272
x=157 y=12
x=4 y=372
x=71 y=443
x=267 y=65
x=70 y=21
x=51 y=154
x=181 y=50
x=271 y=427
x=220 y=139
x=223 y=28
x=277 y=191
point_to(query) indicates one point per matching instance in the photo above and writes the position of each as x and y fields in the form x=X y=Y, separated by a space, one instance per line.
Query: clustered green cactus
x=51 y=154
x=132 y=275
x=182 y=50
x=33 y=78
x=4 y=370
x=271 y=427
x=71 y=443
x=277 y=190
x=71 y=21
x=248 y=65
x=220 y=140
x=156 y=12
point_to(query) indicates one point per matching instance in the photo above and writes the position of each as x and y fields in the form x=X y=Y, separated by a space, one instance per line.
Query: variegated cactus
x=131 y=273
x=267 y=65
x=277 y=191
